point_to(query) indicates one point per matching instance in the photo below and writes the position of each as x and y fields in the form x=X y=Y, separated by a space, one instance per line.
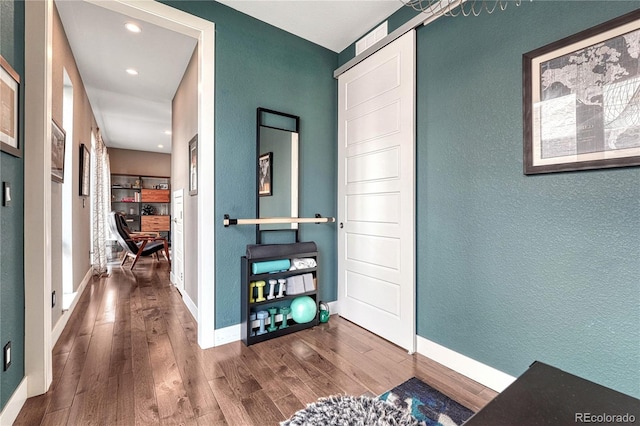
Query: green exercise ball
x=303 y=309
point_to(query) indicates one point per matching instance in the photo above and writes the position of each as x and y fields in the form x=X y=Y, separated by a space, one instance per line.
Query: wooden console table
x=545 y=395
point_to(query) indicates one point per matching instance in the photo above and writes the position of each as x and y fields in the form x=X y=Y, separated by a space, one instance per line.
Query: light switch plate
x=7 y=356
x=6 y=194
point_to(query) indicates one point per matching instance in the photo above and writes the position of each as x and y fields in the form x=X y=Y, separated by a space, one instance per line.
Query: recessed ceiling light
x=131 y=71
x=133 y=27
x=167 y=132
x=160 y=146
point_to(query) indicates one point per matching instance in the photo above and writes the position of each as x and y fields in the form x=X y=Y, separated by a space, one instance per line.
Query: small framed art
x=85 y=170
x=9 y=107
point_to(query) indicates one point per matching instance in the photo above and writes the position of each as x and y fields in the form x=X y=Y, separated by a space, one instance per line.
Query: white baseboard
x=189 y=303
x=227 y=335
x=475 y=370
x=333 y=307
x=14 y=405
x=66 y=314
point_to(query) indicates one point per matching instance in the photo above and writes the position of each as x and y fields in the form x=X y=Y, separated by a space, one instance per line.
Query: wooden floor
x=129 y=356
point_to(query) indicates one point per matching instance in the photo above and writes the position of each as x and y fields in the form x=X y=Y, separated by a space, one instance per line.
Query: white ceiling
x=333 y=24
x=133 y=112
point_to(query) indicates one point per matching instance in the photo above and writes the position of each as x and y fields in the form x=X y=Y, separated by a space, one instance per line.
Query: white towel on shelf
x=303 y=263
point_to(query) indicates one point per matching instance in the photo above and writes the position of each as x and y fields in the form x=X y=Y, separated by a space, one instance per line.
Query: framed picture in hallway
x=9 y=101
x=58 y=136
x=265 y=164
x=85 y=170
x=193 y=165
x=581 y=100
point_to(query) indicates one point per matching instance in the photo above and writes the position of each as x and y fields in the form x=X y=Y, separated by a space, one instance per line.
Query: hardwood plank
x=125 y=399
x=195 y=382
x=121 y=348
x=107 y=312
x=261 y=408
x=96 y=366
x=90 y=407
x=262 y=373
x=289 y=405
x=322 y=343
x=212 y=419
x=237 y=374
x=33 y=411
x=94 y=291
x=71 y=331
x=55 y=418
x=234 y=413
x=173 y=402
x=146 y=406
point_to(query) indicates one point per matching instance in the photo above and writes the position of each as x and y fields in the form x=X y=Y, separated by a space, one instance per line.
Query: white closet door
x=376 y=193
x=177 y=269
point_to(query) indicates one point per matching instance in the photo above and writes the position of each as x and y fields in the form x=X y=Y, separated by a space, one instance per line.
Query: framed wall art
x=85 y=170
x=581 y=100
x=58 y=136
x=265 y=164
x=9 y=107
x=193 y=165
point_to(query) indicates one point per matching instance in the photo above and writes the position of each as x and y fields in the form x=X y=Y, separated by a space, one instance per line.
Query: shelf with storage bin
x=131 y=193
x=249 y=326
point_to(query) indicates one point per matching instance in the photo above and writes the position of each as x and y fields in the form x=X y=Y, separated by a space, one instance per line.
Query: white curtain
x=100 y=204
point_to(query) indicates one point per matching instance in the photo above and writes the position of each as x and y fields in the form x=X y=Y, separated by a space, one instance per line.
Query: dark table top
x=545 y=395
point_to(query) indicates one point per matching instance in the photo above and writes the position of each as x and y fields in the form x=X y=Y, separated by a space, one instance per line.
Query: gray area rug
x=350 y=410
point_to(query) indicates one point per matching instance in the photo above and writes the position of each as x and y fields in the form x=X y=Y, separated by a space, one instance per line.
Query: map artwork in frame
x=581 y=101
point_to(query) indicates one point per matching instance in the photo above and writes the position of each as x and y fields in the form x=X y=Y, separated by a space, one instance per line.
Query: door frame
x=37 y=235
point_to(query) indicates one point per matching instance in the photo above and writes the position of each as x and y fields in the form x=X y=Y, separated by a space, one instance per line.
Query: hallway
x=129 y=356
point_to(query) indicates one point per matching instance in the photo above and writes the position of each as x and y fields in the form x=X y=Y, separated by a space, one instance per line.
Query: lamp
x=467 y=7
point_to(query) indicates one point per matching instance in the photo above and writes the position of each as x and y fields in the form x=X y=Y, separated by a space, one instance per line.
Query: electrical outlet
x=53 y=299
x=7 y=356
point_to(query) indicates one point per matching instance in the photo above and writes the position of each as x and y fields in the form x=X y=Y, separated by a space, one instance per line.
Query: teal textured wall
x=515 y=268
x=11 y=218
x=258 y=65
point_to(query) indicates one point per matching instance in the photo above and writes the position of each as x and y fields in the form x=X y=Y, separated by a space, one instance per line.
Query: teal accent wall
x=515 y=268
x=258 y=65
x=11 y=218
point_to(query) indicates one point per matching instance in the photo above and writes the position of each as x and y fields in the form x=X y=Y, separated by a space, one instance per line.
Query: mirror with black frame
x=277 y=169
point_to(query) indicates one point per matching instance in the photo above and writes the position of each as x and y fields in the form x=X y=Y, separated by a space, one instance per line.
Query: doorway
x=38 y=70
x=204 y=32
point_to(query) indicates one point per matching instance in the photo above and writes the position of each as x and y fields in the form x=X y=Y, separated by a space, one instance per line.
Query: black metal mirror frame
x=260 y=122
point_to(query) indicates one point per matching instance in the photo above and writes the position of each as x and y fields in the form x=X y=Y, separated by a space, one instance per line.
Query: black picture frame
x=193 y=166
x=85 y=171
x=581 y=100
x=58 y=140
x=9 y=109
x=265 y=172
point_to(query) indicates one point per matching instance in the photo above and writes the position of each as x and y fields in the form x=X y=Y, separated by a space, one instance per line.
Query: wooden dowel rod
x=277 y=220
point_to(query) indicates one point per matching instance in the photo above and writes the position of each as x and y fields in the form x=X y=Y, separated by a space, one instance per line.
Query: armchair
x=136 y=244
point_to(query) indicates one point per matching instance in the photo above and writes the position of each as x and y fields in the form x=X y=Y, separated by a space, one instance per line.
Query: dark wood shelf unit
x=247 y=308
